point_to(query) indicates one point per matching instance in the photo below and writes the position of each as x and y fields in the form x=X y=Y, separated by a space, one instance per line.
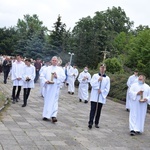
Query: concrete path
x=24 y=129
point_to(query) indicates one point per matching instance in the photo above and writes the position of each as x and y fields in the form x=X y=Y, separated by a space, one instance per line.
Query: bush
x=118 y=86
x=113 y=65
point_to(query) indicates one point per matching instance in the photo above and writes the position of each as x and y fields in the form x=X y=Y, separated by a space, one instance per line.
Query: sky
x=71 y=11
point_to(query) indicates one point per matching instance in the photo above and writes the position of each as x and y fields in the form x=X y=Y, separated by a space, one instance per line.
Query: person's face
x=38 y=60
x=86 y=69
x=135 y=73
x=54 y=61
x=102 y=69
x=141 y=78
x=27 y=63
x=18 y=58
x=47 y=63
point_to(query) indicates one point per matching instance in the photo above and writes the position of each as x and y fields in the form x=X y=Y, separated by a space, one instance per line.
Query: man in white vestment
x=16 y=77
x=100 y=88
x=28 y=80
x=46 y=64
x=65 y=68
x=84 y=80
x=131 y=80
x=72 y=75
x=52 y=77
x=140 y=97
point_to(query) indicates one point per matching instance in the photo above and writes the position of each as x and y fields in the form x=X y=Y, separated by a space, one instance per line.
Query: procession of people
x=52 y=76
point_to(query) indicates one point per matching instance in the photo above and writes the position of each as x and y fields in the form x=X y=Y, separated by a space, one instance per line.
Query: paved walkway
x=24 y=129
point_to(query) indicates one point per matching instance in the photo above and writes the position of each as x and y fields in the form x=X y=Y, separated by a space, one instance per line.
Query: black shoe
x=90 y=126
x=45 y=119
x=17 y=98
x=127 y=110
x=137 y=132
x=54 y=119
x=96 y=126
x=132 y=133
x=14 y=101
x=68 y=92
x=23 y=105
x=72 y=93
x=80 y=100
x=85 y=101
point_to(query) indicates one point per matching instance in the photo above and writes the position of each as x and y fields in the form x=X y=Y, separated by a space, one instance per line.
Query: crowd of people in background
x=52 y=76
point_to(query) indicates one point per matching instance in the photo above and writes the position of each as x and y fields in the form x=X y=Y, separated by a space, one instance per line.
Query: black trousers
x=14 y=95
x=26 y=93
x=36 y=76
x=95 y=113
x=6 y=76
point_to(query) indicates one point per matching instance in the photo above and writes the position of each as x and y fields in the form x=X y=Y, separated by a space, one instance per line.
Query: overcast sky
x=70 y=10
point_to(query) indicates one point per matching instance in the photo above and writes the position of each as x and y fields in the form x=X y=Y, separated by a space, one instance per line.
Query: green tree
x=85 y=43
x=94 y=35
x=58 y=35
x=29 y=30
x=139 y=54
x=8 y=40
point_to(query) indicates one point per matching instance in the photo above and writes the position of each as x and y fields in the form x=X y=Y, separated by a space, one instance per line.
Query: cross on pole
x=105 y=53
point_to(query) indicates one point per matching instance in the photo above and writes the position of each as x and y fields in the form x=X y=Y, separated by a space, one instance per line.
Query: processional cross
x=105 y=53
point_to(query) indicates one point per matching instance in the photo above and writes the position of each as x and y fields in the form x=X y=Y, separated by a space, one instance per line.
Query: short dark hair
x=102 y=65
x=29 y=60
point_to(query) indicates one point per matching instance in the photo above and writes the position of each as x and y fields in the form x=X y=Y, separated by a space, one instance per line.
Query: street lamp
x=71 y=54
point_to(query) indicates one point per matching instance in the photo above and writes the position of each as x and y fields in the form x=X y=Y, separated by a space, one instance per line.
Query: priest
x=140 y=96
x=52 y=77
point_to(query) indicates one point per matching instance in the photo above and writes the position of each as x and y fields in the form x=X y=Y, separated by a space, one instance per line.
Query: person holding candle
x=52 y=77
x=140 y=97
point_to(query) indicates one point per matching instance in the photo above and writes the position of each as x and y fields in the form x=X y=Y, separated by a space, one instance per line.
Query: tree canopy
x=110 y=30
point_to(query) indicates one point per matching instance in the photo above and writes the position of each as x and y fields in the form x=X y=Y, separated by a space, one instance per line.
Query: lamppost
x=71 y=54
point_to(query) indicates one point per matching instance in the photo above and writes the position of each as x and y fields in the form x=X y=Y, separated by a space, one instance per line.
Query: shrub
x=113 y=65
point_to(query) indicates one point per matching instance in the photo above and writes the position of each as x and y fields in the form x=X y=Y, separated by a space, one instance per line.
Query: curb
x=5 y=104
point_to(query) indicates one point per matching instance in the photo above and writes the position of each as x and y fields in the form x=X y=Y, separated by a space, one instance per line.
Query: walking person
x=16 y=76
x=100 y=83
x=38 y=66
x=140 y=96
x=28 y=80
x=72 y=75
x=65 y=68
x=84 y=80
x=52 y=77
x=46 y=64
x=131 y=80
x=6 y=68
